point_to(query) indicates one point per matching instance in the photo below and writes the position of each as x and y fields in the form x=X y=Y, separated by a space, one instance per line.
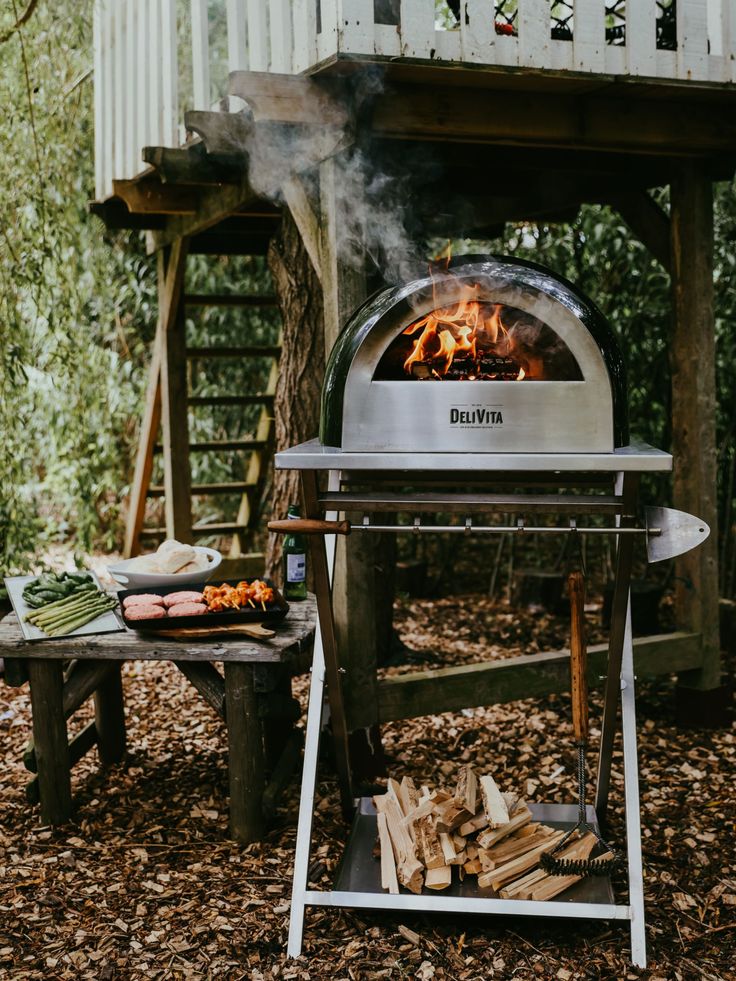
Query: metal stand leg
x=309 y=774
x=626 y=486
x=631 y=789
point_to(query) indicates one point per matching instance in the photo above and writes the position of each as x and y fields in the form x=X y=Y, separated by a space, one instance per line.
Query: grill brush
x=609 y=859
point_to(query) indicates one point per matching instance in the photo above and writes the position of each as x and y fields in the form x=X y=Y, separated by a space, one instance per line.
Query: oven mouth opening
x=477 y=340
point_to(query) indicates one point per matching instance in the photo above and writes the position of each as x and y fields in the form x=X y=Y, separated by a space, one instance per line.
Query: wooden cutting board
x=255 y=630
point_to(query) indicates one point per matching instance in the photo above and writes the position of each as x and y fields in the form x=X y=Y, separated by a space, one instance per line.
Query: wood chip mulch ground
x=146 y=884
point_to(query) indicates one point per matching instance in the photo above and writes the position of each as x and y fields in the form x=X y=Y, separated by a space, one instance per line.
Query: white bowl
x=138 y=580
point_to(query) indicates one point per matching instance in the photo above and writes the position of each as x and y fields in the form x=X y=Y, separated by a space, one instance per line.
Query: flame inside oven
x=478 y=340
x=467 y=341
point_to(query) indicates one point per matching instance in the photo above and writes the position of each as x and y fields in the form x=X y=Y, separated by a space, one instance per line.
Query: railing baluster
x=132 y=150
x=327 y=39
x=200 y=54
x=119 y=90
x=478 y=31
x=154 y=81
x=692 y=39
x=641 y=38
x=109 y=93
x=417 y=28
x=305 y=34
x=169 y=78
x=144 y=72
x=257 y=36
x=282 y=38
x=100 y=52
x=237 y=36
x=355 y=31
x=589 y=35
x=534 y=32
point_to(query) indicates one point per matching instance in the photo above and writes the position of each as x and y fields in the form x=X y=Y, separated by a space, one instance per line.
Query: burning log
x=480 y=829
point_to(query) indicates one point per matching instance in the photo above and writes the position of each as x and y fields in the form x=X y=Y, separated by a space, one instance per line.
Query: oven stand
x=620 y=678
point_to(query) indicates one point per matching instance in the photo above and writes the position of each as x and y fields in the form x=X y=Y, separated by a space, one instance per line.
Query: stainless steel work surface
x=360 y=871
x=314 y=456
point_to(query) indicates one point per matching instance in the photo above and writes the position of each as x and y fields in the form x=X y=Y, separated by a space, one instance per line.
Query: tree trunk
x=301 y=368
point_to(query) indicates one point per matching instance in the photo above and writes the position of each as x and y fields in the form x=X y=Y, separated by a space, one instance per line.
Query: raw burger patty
x=183 y=596
x=187 y=609
x=143 y=599
x=140 y=612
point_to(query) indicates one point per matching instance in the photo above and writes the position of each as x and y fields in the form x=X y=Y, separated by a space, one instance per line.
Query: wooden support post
x=50 y=739
x=355 y=601
x=694 y=426
x=177 y=474
x=110 y=718
x=245 y=752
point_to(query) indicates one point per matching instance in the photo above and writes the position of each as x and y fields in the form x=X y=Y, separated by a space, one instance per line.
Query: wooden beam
x=214 y=205
x=147 y=437
x=305 y=212
x=50 y=740
x=150 y=196
x=649 y=222
x=81 y=744
x=115 y=215
x=692 y=361
x=110 y=718
x=537 y=119
x=192 y=164
x=527 y=676
x=273 y=97
x=174 y=416
x=221 y=132
x=208 y=681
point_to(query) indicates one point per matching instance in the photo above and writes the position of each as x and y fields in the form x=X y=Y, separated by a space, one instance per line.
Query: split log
x=439 y=878
x=467 y=789
x=388 y=868
x=408 y=795
x=514 y=889
x=476 y=823
x=493 y=803
x=489 y=838
x=448 y=849
x=547 y=890
x=450 y=817
x=428 y=844
x=508 y=872
x=408 y=867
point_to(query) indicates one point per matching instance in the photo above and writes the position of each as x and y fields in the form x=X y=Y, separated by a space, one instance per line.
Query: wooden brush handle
x=578 y=656
x=309 y=526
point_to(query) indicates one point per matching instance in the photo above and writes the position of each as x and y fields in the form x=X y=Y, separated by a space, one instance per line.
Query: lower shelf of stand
x=358 y=880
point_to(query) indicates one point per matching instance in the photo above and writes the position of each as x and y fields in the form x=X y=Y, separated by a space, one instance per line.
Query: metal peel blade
x=671 y=533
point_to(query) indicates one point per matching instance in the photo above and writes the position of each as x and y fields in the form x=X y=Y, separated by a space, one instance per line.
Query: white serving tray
x=106 y=623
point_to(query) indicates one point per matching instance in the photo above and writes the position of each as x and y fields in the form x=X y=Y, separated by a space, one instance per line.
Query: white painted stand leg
x=633 y=815
x=309 y=772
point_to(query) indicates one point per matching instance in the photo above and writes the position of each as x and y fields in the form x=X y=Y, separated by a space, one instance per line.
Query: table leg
x=110 y=718
x=50 y=739
x=245 y=752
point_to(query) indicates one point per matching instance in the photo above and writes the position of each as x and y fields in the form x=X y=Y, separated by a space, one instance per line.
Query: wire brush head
x=569 y=866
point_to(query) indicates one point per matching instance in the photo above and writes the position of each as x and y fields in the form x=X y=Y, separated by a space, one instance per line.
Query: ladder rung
x=229 y=300
x=230 y=400
x=253 y=351
x=223 y=528
x=229 y=487
x=221 y=445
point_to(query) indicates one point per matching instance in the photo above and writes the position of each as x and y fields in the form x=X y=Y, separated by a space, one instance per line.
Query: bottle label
x=296 y=568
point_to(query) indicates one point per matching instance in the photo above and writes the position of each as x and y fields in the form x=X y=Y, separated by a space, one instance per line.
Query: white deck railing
x=156 y=58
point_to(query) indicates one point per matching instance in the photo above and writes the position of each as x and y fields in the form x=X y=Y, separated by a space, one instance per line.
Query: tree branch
x=23 y=19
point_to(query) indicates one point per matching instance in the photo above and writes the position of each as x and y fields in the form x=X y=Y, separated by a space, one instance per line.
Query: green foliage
x=76 y=312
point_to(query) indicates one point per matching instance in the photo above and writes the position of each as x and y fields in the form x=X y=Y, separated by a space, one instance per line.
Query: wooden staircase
x=164 y=434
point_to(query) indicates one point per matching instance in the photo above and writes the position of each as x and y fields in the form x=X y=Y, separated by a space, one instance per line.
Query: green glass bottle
x=295 y=562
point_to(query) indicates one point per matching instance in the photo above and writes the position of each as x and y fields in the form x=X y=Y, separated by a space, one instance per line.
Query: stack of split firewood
x=479 y=830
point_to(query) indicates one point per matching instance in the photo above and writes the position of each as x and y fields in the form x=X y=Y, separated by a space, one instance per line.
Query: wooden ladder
x=166 y=411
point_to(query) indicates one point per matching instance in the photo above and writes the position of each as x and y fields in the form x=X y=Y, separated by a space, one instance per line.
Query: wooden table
x=253 y=696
